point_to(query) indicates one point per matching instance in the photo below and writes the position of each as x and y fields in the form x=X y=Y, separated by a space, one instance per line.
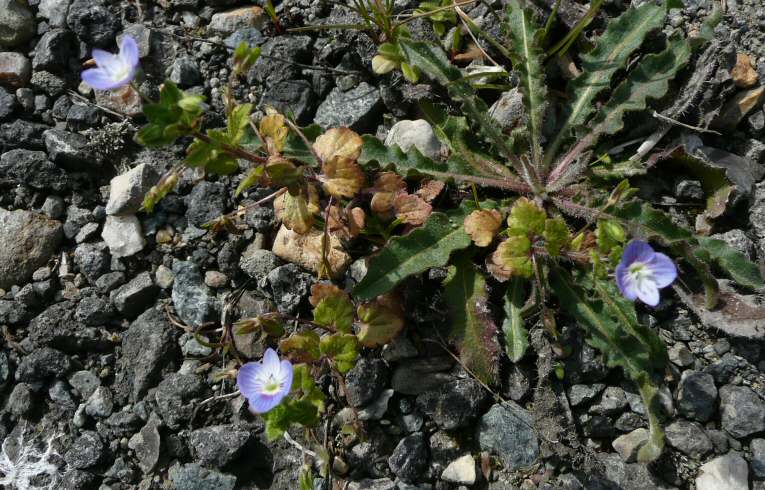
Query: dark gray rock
x=507 y=430
x=81 y=117
x=612 y=401
x=86 y=451
x=33 y=169
x=13 y=312
x=454 y=405
x=257 y=262
x=585 y=365
x=185 y=72
x=357 y=108
x=110 y=281
x=148 y=347
x=93 y=23
x=27 y=242
x=270 y=69
x=417 y=376
x=249 y=35
x=219 y=445
x=92 y=259
x=43 y=363
x=758 y=457
x=291 y=97
x=365 y=381
x=194 y=302
x=17 y=23
x=133 y=298
x=623 y=476
x=688 y=438
x=205 y=202
x=59 y=393
x=54 y=49
x=409 y=459
x=290 y=287
x=7 y=104
x=579 y=394
x=21 y=400
x=697 y=395
x=93 y=311
x=22 y=134
x=76 y=218
x=57 y=327
x=70 y=150
x=723 y=370
x=79 y=479
x=743 y=412
x=191 y=476
x=174 y=395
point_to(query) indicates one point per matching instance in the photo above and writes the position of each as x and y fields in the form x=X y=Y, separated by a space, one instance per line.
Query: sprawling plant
x=529 y=215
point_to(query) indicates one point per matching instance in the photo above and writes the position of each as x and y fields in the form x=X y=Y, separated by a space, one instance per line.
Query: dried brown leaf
x=342 y=177
x=482 y=225
x=411 y=209
x=430 y=189
x=338 y=142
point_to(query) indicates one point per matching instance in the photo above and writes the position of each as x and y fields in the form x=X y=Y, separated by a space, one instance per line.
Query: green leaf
x=608 y=328
x=238 y=122
x=334 y=311
x=650 y=222
x=341 y=348
x=422 y=248
x=379 y=322
x=279 y=419
x=526 y=218
x=516 y=335
x=622 y=36
x=472 y=327
x=649 y=80
x=302 y=347
x=741 y=270
x=527 y=63
x=557 y=236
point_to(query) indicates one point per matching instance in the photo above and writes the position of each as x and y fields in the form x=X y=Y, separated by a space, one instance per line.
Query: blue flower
x=643 y=271
x=114 y=70
x=264 y=384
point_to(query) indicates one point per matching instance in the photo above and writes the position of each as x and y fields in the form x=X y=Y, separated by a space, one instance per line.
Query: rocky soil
x=97 y=369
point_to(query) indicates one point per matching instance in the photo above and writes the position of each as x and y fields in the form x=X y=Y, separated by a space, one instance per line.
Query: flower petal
x=247 y=380
x=271 y=362
x=637 y=250
x=98 y=78
x=129 y=51
x=663 y=270
x=263 y=403
x=648 y=293
x=625 y=283
x=106 y=60
x=285 y=377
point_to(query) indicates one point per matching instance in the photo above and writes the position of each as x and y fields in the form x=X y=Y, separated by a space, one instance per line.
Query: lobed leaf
x=379 y=321
x=342 y=348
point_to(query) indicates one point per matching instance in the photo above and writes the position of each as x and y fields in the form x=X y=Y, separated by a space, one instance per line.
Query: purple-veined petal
x=285 y=377
x=97 y=78
x=247 y=379
x=271 y=362
x=625 y=283
x=129 y=51
x=263 y=403
x=637 y=250
x=663 y=270
x=647 y=292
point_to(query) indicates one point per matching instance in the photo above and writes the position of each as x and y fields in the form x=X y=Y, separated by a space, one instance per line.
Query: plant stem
x=231 y=150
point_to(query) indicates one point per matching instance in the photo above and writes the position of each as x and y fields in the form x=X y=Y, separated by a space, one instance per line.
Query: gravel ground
x=93 y=369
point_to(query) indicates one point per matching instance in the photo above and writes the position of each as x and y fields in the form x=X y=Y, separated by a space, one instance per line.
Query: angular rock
x=126 y=191
x=738 y=107
x=100 y=404
x=147 y=444
x=507 y=430
x=148 y=347
x=624 y=476
x=219 y=445
x=758 y=457
x=743 y=412
x=86 y=451
x=33 y=169
x=226 y=23
x=27 y=242
x=420 y=375
x=417 y=133
x=460 y=471
x=70 y=150
x=93 y=23
x=377 y=408
x=612 y=401
x=55 y=11
x=191 y=476
x=174 y=395
x=355 y=109
x=290 y=287
x=206 y=201
x=743 y=73
x=291 y=97
x=17 y=23
x=58 y=328
x=688 y=438
x=15 y=69
x=697 y=395
x=123 y=235
x=92 y=259
x=454 y=405
x=185 y=72
x=257 y=262
x=729 y=472
x=85 y=382
x=305 y=250
x=133 y=298
x=271 y=68
x=365 y=381
x=193 y=301
x=53 y=50
x=580 y=394
x=21 y=400
x=93 y=311
x=628 y=445
x=409 y=459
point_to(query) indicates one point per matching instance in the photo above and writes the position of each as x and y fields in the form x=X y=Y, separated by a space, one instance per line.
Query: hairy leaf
x=556 y=236
x=421 y=249
x=334 y=311
x=301 y=347
x=650 y=222
x=516 y=335
x=472 y=327
x=527 y=63
x=622 y=36
x=741 y=270
x=526 y=218
x=342 y=348
x=511 y=259
x=294 y=212
x=649 y=80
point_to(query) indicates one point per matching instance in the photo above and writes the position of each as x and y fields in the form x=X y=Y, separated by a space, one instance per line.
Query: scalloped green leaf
x=419 y=250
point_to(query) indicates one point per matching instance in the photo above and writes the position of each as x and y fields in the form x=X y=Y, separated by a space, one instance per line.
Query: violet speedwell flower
x=265 y=383
x=642 y=272
x=114 y=70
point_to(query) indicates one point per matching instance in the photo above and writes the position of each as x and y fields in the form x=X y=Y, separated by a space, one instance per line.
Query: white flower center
x=639 y=272
x=271 y=386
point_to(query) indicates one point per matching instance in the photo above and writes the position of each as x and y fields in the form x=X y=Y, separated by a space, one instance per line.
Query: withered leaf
x=342 y=177
x=338 y=142
x=411 y=209
x=482 y=225
x=430 y=189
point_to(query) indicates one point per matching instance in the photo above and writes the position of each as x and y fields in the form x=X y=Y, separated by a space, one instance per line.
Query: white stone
x=126 y=191
x=729 y=472
x=460 y=471
x=417 y=133
x=628 y=445
x=55 y=11
x=305 y=250
x=164 y=277
x=123 y=235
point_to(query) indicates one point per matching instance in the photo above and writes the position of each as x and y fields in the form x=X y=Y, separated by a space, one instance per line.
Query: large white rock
x=729 y=472
x=417 y=133
x=305 y=250
x=123 y=235
x=126 y=191
x=460 y=471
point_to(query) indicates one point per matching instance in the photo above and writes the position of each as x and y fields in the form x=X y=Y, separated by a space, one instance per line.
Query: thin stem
x=307 y=143
x=231 y=150
x=431 y=12
x=462 y=16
